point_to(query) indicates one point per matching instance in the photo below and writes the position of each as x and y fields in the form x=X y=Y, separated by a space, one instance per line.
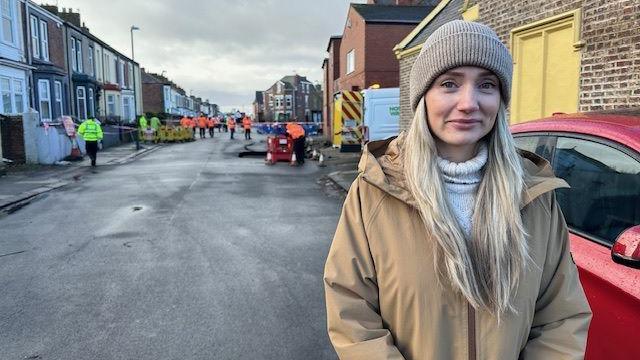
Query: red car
x=599 y=156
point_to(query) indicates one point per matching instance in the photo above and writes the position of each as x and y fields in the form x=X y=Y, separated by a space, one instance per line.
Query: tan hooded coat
x=383 y=297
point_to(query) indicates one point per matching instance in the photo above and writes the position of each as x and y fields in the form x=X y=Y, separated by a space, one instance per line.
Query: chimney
x=71 y=17
x=50 y=8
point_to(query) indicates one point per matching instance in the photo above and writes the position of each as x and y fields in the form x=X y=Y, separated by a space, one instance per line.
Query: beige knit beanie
x=460 y=43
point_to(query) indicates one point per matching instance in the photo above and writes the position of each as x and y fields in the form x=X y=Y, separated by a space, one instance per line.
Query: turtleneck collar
x=468 y=172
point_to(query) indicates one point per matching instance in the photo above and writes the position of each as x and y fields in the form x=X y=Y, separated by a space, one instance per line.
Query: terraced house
x=46 y=54
x=14 y=69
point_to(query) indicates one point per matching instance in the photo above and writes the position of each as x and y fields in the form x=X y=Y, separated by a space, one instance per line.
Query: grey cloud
x=223 y=49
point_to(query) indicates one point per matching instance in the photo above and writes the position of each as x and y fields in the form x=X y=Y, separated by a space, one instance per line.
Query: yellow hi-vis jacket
x=90 y=130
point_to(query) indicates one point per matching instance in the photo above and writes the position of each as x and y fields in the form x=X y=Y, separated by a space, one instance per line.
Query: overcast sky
x=223 y=50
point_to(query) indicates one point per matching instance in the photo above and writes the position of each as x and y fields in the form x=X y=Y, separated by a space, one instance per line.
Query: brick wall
x=610 y=66
x=406 y=114
x=56 y=44
x=610 y=73
x=353 y=39
x=381 y=62
x=152 y=98
x=11 y=130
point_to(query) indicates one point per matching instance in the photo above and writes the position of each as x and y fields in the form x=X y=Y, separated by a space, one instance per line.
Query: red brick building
x=363 y=55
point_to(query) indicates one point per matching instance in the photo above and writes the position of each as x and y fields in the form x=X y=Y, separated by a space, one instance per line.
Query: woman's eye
x=488 y=85
x=448 y=84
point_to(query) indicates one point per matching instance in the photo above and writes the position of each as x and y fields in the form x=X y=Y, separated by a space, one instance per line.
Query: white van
x=381 y=113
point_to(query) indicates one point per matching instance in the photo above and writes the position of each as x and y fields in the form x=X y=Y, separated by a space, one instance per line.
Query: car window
x=537 y=144
x=604 y=198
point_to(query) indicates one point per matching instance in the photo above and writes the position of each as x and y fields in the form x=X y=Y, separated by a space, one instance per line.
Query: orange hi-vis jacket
x=231 y=123
x=210 y=122
x=184 y=122
x=246 y=123
x=295 y=130
x=202 y=122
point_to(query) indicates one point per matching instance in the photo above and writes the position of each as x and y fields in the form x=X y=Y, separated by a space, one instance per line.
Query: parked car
x=599 y=156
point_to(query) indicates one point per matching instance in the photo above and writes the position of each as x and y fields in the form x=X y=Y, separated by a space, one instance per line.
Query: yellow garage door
x=546 y=68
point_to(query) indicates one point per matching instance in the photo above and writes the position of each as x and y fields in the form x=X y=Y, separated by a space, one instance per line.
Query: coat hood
x=382 y=165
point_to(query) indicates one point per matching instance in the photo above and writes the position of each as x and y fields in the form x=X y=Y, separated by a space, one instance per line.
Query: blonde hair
x=486 y=268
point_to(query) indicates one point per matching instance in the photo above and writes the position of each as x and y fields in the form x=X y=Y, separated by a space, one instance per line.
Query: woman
x=451 y=244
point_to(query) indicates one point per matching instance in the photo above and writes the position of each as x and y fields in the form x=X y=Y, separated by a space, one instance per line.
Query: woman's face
x=462 y=105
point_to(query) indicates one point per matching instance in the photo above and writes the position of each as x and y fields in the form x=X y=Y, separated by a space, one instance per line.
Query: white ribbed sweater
x=461 y=182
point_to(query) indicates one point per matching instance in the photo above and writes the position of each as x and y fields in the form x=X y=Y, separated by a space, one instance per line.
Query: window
x=121 y=74
x=79 y=53
x=91 y=63
x=288 y=100
x=92 y=110
x=114 y=71
x=44 y=40
x=537 y=144
x=7 y=104
x=306 y=101
x=35 y=36
x=126 y=108
x=604 y=198
x=44 y=100
x=351 y=61
x=81 y=98
x=130 y=76
x=12 y=92
x=57 y=87
x=111 y=105
x=107 y=68
x=18 y=95
x=8 y=16
x=74 y=58
x=98 y=66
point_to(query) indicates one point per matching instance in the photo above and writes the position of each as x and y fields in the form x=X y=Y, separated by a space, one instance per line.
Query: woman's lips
x=463 y=124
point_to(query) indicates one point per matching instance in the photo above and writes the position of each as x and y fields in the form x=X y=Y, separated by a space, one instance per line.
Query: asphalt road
x=186 y=253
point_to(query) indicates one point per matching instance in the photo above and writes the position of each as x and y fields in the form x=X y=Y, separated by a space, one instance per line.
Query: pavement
x=345 y=165
x=23 y=182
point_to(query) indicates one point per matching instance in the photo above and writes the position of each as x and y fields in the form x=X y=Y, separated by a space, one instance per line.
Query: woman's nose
x=468 y=99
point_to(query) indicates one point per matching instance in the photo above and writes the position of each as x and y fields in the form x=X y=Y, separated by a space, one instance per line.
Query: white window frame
x=84 y=102
x=126 y=110
x=351 y=61
x=107 y=68
x=98 y=64
x=111 y=103
x=44 y=99
x=15 y=94
x=79 y=52
x=44 y=40
x=92 y=65
x=130 y=76
x=57 y=87
x=288 y=101
x=11 y=18
x=35 y=36
x=121 y=66
x=92 y=108
x=9 y=92
x=74 y=58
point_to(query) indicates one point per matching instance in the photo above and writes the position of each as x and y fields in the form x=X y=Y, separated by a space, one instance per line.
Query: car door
x=603 y=201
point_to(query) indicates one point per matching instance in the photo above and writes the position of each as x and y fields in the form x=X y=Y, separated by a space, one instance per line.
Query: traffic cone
x=321 y=160
x=269 y=160
x=294 y=160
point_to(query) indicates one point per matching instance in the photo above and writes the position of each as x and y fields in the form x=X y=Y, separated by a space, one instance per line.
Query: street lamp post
x=135 y=93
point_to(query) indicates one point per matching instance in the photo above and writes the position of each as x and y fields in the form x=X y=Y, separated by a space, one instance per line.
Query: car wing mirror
x=626 y=249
